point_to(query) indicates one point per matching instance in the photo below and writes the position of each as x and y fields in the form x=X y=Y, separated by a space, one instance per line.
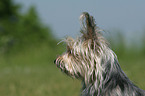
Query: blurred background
x=31 y=29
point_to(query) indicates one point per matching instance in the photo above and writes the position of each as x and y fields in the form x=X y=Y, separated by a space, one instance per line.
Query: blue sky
x=63 y=15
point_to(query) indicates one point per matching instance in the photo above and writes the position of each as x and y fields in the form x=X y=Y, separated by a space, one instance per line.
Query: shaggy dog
x=90 y=59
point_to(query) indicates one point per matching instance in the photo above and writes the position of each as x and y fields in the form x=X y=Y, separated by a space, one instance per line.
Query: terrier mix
x=90 y=59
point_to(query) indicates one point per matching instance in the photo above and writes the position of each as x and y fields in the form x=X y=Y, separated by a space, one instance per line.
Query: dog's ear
x=89 y=30
x=88 y=26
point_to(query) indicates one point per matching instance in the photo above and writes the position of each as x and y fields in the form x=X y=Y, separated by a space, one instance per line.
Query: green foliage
x=125 y=48
x=8 y=9
x=21 y=30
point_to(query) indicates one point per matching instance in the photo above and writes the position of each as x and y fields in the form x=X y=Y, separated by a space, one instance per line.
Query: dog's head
x=84 y=55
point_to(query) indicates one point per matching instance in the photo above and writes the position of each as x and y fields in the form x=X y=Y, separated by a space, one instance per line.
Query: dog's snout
x=55 y=61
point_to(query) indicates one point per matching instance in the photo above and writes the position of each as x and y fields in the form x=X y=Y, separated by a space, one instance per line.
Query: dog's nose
x=55 y=61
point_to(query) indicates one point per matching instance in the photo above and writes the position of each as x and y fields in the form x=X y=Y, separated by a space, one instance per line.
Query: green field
x=31 y=72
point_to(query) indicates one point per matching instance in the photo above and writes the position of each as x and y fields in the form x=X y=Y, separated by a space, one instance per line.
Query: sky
x=63 y=15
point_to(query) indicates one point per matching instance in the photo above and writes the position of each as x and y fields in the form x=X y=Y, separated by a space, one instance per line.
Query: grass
x=134 y=69
x=31 y=72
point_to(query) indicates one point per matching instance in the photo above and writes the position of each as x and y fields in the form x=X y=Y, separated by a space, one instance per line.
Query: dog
x=90 y=59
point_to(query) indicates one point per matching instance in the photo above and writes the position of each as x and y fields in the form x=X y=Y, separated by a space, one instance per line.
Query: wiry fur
x=90 y=59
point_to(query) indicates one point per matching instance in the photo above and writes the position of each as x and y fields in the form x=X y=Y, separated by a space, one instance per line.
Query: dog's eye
x=69 y=50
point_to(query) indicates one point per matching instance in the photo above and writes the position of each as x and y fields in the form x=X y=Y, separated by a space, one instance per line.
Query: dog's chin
x=71 y=74
x=68 y=73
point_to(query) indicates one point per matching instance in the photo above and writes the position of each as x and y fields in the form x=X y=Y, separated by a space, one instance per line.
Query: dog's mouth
x=60 y=64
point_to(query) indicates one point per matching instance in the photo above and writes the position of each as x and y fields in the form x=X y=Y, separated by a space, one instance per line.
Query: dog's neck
x=113 y=84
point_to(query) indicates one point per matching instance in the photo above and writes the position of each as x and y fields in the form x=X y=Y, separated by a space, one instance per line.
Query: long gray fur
x=90 y=59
